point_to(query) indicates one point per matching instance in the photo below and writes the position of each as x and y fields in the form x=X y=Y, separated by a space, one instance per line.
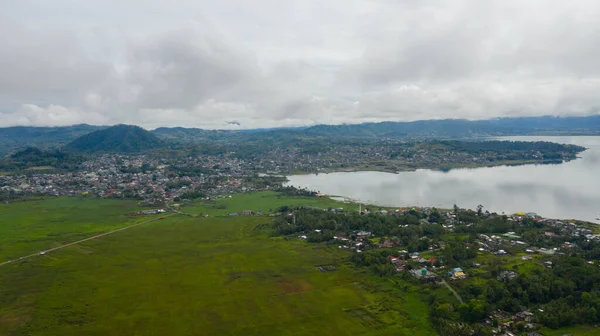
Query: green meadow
x=35 y=225
x=187 y=275
x=265 y=201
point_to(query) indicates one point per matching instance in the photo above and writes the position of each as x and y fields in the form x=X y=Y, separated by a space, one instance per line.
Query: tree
x=479 y=210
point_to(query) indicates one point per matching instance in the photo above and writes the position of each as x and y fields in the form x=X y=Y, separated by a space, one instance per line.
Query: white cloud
x=268 y=63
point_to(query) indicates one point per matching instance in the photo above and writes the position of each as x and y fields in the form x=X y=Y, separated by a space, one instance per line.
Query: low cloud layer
x=267 y=63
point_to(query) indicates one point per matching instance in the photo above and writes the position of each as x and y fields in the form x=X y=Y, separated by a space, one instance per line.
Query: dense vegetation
x=35 y=158
x=116 y=139
x=566 y=294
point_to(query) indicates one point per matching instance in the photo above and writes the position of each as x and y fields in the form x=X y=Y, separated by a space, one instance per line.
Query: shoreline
x=396 y=170
x=369 y=204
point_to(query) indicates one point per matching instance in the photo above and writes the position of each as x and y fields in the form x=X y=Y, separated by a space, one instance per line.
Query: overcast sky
x=266 y=63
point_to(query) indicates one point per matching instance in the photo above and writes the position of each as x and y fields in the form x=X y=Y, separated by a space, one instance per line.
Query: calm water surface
x=567 y=190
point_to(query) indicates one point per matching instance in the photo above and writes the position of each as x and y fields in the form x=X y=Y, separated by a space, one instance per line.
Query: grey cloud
x=267 y=64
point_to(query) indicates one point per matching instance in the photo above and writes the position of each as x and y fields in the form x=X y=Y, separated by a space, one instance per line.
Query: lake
x=569 y=190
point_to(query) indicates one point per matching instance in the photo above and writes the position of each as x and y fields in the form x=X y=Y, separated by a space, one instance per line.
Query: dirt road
x=81 y=241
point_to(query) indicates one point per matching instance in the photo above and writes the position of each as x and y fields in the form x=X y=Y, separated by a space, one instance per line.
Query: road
x=453 y=291
x=81 y=241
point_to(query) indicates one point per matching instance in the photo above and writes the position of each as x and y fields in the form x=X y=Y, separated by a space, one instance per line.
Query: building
x=457 y=273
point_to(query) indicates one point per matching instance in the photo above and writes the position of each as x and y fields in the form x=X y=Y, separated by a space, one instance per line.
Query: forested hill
x=116 y=139
x=15 y=138
x=459 y=128
x=416 y=130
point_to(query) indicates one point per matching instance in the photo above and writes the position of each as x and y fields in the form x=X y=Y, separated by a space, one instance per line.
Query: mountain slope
x=19 y=137
x=116 y=139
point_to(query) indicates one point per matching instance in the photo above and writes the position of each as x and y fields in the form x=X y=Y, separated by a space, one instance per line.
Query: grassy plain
x=35 y=225
x=586 y=330
x=265 y=201
x=187 y=276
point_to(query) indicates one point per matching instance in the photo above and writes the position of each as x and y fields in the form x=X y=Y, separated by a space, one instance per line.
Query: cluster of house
x=505 y=323
x=121 y=176
x=565 y=227
x=147 y=212
x=357 y=244
x=423 y=268
x=246 y=213
x=493 y=244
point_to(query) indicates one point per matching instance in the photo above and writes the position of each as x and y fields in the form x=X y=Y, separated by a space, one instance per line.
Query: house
x=507 y=275
x=548 y=264
x=567 y=245
x=363 y=234
x=524 y=316
x=546 y=251
x=387 y=244
x=394 y=260
x=423 y=274
x=501 y=253
x=247 y=212
x=511 y=235
x=457 y=273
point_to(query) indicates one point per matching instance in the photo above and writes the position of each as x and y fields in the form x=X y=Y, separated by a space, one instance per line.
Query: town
x=164 y=176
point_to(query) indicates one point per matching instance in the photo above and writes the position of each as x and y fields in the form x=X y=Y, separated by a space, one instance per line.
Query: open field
x=573 y=331
x=31 y=226
x=41 y=168
x=266 y=202
x=186 y=276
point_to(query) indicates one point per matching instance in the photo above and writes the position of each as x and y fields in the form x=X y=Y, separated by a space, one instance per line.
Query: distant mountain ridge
x=15 y=138
x=422 y=129
x=116 y=139
x=452 y=128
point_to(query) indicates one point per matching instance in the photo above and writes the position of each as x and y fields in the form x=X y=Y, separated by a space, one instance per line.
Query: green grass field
x=33 y=226
x=186 y=276
x=265 y=201
x=573 y=331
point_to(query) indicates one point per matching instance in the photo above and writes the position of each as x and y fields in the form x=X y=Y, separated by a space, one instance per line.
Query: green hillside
x=116 y=139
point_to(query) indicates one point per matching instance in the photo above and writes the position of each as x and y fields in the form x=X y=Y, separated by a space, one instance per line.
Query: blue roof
x=458 y=269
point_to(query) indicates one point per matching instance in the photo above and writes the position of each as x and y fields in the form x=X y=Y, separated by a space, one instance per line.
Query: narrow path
x=81 y=241
x=453 y=291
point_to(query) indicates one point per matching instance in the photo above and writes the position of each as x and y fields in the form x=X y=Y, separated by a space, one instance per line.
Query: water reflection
x=567 y=190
